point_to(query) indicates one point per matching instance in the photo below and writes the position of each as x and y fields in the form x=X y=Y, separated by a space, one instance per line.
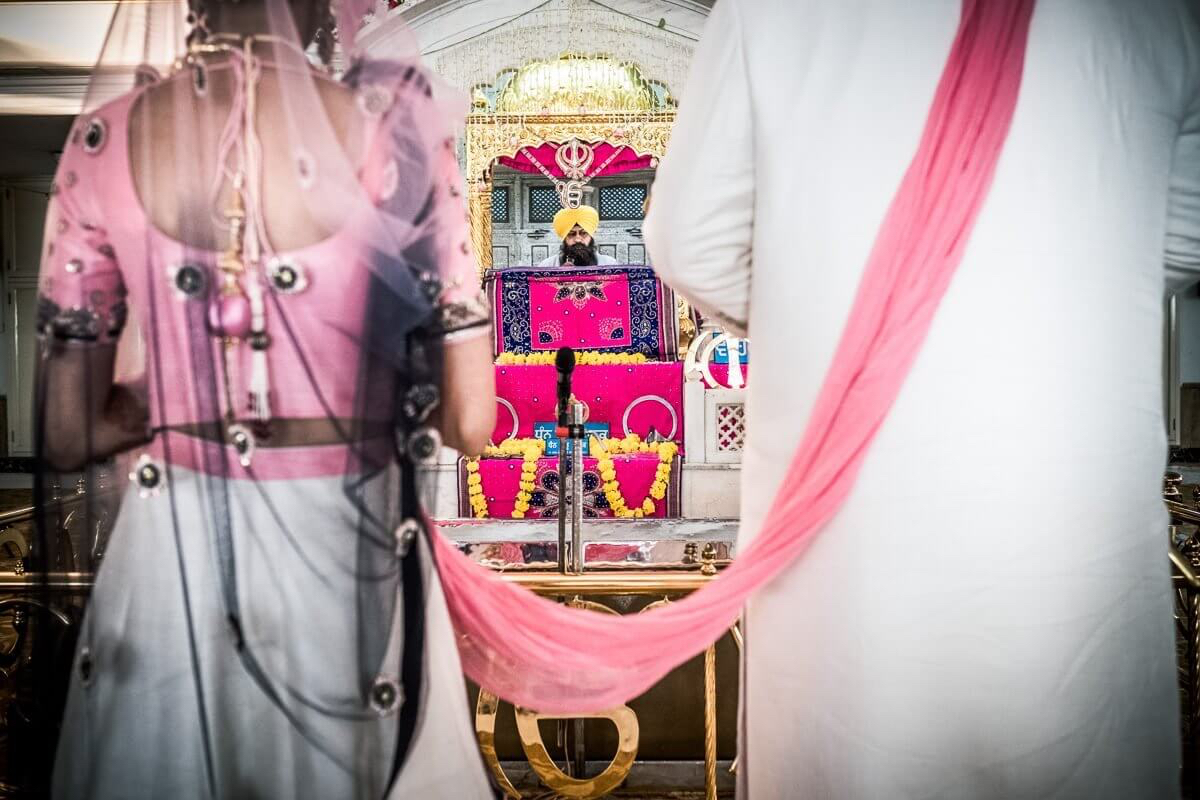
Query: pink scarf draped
x=543 y=655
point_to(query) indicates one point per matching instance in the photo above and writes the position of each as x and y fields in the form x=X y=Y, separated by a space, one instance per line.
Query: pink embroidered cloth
x=635 y=472
x=543 y=655
x=651 y=394
x=590 y=313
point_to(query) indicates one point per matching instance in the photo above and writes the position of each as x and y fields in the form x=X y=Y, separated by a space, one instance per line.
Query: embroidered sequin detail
x=243 y=442
x=431 y=285
x=406 y=534
x=385 y=695
x=424 y=445
x=148 y=476
x=95 y=135
x=106 y=314
x=420 y=401
x=190 y=280
x=287 y=276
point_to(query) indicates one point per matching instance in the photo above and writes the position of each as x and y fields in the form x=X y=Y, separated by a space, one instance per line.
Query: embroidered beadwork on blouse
x=104 y=317
x=189 y=280
x=287 y=276
x=148 y=476
x=463 y=314
x=72 y=323
x=94 y=136
x=420 y=400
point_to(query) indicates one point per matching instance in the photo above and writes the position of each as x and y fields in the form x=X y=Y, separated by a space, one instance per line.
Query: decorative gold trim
x=487 y=706
x=601 y=583
x=710 y=722
x=581 y=788
x=490 y=136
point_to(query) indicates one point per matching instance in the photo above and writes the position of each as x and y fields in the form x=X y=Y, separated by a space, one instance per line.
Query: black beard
x=580 y=255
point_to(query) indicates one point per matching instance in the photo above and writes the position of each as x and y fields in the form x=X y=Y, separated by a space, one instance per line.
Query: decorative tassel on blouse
x=260 y=382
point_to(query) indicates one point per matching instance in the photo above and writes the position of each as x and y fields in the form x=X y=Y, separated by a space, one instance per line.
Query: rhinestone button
x=423 y=445
x=385 y=696
x=190 y=280
x=286 y=276
x=94 y=136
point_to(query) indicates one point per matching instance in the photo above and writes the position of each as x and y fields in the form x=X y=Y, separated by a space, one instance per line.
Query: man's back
x=989 y=615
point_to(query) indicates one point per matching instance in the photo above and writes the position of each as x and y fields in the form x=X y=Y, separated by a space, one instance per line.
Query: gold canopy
x=574 y=84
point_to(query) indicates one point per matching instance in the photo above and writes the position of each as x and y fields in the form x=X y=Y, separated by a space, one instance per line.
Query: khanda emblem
x=574 y=159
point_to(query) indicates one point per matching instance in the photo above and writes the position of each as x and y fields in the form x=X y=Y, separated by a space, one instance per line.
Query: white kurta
x=602 y=260
x=990 y=613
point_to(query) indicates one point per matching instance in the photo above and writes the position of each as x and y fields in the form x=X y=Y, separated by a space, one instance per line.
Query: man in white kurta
x=990 y=614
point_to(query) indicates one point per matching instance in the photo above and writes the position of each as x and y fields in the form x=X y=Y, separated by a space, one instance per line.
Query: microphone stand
x=569 y=430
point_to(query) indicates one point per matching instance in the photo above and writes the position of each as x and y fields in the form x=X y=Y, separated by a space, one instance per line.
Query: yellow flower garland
x=530 y=450
x=585 y=357
x=632 y=443
x=533 y=449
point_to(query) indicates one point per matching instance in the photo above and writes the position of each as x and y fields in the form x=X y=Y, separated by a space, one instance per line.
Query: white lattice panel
x=731 y=427
x=724 y=425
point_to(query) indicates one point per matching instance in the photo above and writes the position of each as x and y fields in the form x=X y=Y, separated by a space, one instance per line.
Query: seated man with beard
x=576 y=227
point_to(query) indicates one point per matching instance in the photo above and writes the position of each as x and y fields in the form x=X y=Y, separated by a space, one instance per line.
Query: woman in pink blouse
x=258 y=298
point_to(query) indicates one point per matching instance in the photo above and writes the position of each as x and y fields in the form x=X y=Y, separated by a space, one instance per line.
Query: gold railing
x=574 y=588
x=1184 y=553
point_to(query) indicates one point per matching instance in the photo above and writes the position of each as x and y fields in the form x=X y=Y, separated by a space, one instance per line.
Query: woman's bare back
x=175 y=133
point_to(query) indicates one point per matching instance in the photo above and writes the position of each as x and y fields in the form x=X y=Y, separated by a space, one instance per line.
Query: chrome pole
x=577 y=489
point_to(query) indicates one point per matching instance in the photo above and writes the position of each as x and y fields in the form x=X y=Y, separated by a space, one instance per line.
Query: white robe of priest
x=990 y=614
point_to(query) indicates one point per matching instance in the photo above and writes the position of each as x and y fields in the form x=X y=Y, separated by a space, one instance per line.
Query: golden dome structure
x=576 y=84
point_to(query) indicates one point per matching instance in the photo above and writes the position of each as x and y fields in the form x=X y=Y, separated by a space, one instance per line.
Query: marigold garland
x=585 y=357
x=533 y=449
x=633 y=443
x=530 y=450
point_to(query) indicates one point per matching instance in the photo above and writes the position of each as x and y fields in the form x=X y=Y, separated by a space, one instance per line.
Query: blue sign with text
x=721 y=352
x=545 y=431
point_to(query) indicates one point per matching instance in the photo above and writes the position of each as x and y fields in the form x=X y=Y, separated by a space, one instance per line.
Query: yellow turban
x=585 y=217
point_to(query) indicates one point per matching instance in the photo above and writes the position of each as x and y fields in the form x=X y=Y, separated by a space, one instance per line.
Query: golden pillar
x=479 y=209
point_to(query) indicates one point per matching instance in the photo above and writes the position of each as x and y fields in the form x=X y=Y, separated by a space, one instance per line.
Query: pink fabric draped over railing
x=558 y=659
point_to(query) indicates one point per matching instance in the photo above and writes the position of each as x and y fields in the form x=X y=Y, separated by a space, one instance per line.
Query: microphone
x=564 y=362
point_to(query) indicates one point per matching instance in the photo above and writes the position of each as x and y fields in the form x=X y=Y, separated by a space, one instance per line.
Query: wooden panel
x=608 y=250
x=499 y=256
x=637 y=254
x=537 y=252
